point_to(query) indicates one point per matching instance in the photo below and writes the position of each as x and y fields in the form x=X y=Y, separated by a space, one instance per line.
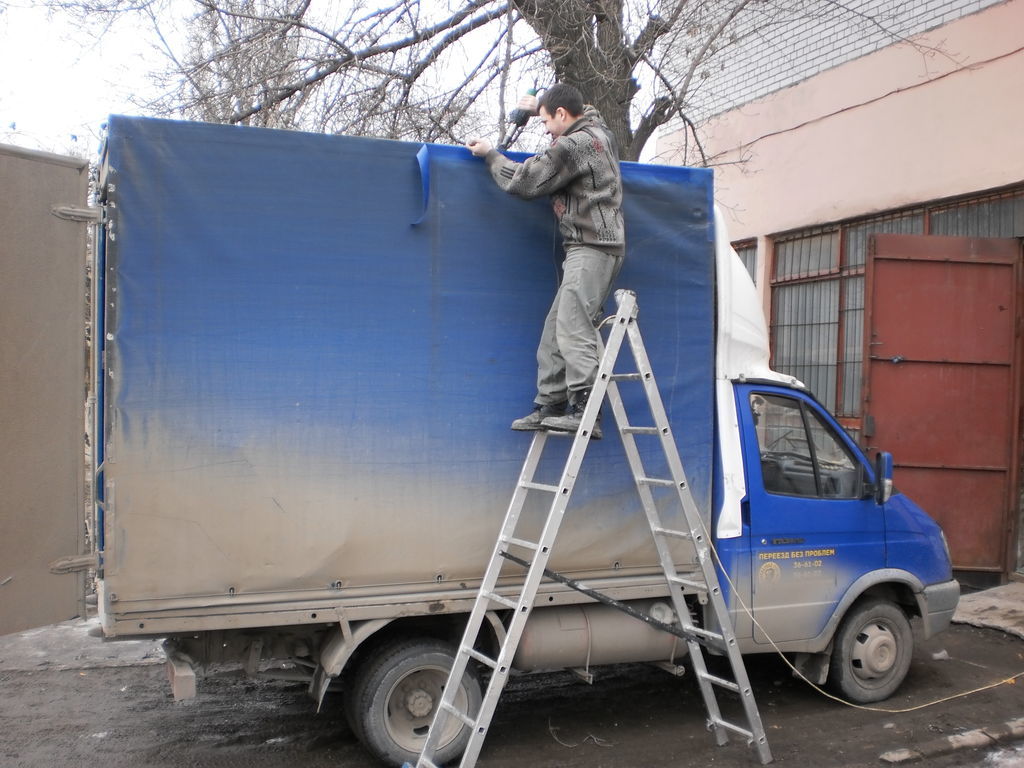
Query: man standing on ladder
x=580 y=171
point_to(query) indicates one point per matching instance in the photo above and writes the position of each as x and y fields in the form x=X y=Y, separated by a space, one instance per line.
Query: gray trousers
x=567 y=356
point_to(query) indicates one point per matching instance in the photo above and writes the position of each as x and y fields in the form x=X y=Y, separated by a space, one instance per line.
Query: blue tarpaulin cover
x=315 y=346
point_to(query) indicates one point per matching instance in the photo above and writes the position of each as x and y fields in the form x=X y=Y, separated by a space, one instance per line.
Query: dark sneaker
x=534 y=420
x=571 y=422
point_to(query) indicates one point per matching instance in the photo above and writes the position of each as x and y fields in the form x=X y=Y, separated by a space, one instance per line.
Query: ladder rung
x=700 y=586
x=458 y=713
x=630 y=430
x=540 y=487
x=626 y=377
x=656 y=481
x=671 y=532
x=721 y=682
x=521 y=543
x=485 y=660
x=732 y=727
x=499 y=599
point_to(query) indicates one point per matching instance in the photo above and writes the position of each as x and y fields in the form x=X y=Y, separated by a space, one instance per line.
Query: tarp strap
x=423 y=159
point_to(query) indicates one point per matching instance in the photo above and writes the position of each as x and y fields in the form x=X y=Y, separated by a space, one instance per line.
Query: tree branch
x=350 y=57
x=659 y=114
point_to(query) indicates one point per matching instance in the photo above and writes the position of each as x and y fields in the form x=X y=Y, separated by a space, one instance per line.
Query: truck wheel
x=872 y=652
x=396 y=692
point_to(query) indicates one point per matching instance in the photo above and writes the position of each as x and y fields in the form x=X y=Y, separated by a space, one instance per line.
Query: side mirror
x=883 y=477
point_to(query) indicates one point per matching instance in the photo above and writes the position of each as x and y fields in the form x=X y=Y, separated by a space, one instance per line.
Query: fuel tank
x=585 y=635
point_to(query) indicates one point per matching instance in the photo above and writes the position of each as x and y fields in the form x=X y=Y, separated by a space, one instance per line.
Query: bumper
x=939 y=603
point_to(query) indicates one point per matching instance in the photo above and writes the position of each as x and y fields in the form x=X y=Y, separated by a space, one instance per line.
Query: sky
x=58 y=83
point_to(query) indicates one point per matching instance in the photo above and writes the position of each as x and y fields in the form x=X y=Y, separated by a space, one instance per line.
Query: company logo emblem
x=769 y=573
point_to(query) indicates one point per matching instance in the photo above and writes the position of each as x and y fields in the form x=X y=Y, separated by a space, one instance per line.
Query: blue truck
x=309 y=349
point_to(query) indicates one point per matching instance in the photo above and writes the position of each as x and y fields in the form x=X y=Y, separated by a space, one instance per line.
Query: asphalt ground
x=71 y=699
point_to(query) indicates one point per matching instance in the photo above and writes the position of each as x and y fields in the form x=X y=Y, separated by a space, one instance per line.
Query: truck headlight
x=945 y=544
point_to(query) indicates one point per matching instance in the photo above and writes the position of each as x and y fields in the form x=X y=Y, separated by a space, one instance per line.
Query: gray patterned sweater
x=580 y=171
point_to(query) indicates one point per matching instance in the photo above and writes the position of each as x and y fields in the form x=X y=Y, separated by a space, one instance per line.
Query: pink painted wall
x=901 y=126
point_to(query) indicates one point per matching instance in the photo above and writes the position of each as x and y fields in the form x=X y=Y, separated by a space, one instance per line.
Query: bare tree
x=437 y=71
x=441 y=70
x=396 y=71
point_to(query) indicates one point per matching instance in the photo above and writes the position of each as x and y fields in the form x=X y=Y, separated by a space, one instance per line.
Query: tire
x=395 y=694
x=348 y=701
x=872 y=652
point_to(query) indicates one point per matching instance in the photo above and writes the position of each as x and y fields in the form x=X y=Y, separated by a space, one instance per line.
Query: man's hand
x=528 y=104
x=479 y=147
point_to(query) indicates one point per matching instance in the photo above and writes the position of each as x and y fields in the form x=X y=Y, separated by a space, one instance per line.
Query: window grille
x=1001 y=216
x=807 y=255
x=805 y=331
x=747 y=251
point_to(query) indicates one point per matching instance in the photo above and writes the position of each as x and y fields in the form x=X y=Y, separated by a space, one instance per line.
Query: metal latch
x=72 y=563
x=76 y=213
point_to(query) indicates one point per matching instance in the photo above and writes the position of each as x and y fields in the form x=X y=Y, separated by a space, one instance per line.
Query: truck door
x=42 y=378
x=813 y=528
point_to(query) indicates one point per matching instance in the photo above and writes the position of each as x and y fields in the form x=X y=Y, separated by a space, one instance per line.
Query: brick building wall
x=770 y=50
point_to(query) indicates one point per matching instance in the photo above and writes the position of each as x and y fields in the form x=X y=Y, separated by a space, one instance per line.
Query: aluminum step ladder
x=535 y=555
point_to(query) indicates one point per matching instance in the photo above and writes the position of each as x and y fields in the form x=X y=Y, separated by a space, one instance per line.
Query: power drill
x=519 y=118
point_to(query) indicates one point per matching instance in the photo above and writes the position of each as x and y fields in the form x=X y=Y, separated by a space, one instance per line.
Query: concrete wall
x=908 y=124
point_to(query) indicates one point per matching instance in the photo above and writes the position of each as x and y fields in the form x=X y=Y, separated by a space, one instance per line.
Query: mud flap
x=335 y=653
x=813 y=666
x=181 y=673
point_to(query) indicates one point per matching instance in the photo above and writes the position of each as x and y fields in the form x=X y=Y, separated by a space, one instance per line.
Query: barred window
x=807 y=289
x=1000 y=216
x=747 y=251
x=805 y=334
x=807 y=255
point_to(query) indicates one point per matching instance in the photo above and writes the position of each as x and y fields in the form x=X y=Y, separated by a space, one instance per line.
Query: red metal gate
x=942 y=386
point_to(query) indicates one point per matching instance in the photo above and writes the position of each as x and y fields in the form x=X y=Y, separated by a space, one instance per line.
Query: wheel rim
x=875 y=651
x=410 y=707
